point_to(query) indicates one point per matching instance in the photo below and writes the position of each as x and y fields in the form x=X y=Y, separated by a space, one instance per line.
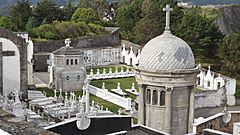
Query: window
x=208 y=83
x=162 y=98
x=218 y=85
x=155 y=97
x=71 y=61
x=148 y=96
x=67 y=62
x=76 y=61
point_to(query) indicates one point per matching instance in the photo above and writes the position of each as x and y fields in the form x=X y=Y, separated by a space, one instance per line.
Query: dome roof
x=166 y=52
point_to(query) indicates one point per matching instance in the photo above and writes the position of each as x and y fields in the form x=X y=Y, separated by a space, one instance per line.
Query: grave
x=119 y=91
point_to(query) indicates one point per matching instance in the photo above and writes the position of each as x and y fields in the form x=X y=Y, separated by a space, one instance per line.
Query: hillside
x=6 y=4
x=213 y=2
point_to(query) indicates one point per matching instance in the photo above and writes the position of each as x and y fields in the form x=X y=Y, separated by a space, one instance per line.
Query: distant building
x=67 y=71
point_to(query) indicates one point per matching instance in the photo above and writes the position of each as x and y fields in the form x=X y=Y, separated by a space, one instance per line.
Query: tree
x=100 y=6
x=229 y=53
x=69 y=10
x=199 y=32
x=153 y=22
x=85 y=15
x=31 y=23
x=127 y=18
x=20 y=13
x=5 y=22
x=49 y=10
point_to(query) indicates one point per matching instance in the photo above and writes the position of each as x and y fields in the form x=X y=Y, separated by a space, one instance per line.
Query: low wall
x=111 y=97
x=216 y=122
x=210 y=98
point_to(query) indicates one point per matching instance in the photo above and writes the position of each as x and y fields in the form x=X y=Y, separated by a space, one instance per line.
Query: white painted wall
x=11 y=67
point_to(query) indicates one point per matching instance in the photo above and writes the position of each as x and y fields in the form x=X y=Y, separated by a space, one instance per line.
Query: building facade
x=167 y=77
x=66 y=68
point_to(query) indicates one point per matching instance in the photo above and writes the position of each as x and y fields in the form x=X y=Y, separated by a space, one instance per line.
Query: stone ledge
x=18 y=126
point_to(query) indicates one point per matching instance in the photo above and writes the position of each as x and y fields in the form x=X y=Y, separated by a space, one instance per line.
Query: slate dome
x=166 y=52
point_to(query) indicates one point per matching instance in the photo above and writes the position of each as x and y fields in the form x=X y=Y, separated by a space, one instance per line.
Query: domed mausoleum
x=167 y=77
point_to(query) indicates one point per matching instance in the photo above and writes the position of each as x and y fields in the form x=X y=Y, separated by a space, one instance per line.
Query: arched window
x=218 y=85
x=76 y=61
x=208 y=83
x=71 y=61
x=162 y=98
x=148 y=96
x=155 y=97
x=67 y=62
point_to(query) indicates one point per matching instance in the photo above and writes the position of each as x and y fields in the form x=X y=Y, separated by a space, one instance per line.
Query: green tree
x=199 y=32
x=100 y=6
x=49 y=10
x=5 y=22
x=153 y=22
x=31 y=23
x=85 y=15
x=20 y=13
x=127 y=18
x=69 y=10
x=229 y=53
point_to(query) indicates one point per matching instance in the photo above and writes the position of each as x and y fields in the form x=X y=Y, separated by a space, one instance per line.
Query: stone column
x=1 y=70
x=191 y=109
x=168 y=99
x=141 y=102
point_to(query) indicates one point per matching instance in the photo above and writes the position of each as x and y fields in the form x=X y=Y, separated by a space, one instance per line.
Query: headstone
x=91 y=72
x=98 y=72
x=119 y=111
x=60 y=97
x=104 y=71
x=119 y=87
x=103 y=85
x=116 y=70
x=133 y=87
x=110 y=70
x=122 y=70
x=127 y=70
x=17 y=106
x=55 y=95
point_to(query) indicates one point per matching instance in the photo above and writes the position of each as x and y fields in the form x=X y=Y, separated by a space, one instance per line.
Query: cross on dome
x=168 y=10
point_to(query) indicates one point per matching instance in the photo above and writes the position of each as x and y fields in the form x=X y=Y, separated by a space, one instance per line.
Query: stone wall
x=111 y=39
x=210 y=98
x=216 y=122
x=22 y=47
x=42 y=49
x=16 y=126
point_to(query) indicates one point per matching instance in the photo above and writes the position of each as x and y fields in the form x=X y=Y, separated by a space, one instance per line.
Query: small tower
x=67 y=71
x=167 y=77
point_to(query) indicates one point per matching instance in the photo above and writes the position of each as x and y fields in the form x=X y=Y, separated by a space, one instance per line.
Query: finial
x=168 y=10
x=209 y=67
x=67 y=41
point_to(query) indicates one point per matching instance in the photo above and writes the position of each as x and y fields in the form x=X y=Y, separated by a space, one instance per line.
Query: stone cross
x=168 y=10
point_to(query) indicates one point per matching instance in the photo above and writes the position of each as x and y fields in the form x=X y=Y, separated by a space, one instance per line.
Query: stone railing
x=111 y=97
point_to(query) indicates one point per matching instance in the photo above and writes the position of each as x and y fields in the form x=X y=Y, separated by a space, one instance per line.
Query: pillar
x=168 y=109
x=191 y=109
x=1 y=70
x=141 y=106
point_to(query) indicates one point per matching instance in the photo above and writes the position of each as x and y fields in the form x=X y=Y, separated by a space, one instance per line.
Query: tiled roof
x=166 y=52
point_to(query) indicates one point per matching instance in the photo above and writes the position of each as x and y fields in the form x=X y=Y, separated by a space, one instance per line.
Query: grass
x=125 y=83
x=112 y=107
